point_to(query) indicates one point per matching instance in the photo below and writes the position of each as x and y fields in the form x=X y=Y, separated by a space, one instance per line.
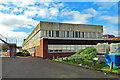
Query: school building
x=50 y=39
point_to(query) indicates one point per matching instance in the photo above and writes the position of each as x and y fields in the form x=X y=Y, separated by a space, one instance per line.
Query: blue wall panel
x=115 y=58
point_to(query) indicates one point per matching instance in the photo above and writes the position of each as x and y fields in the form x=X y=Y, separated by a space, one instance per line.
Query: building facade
x=110 y=37
x=50 y=39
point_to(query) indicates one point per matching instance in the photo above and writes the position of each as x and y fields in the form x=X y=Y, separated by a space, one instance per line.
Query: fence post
x=111 y=66
x=93 y=63
x=82 y=61
x=53 y=58
x=62 y=58
x=73 y=60
x=57 y=58
x=66 y=59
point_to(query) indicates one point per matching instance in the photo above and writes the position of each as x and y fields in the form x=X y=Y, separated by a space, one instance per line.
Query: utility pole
x=16 y=41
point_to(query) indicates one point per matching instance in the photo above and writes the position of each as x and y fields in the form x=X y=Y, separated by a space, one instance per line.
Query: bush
x=90 y=53
x=23 y=53
x=19 y=54
x=79 y=51
x=5 y=47
x=26 y=53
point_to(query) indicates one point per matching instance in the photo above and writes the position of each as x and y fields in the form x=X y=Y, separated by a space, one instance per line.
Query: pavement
x=40 y=68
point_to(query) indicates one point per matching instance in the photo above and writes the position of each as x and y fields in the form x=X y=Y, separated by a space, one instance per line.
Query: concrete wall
x=70 y=27
x=46 y=26
x=32 y=44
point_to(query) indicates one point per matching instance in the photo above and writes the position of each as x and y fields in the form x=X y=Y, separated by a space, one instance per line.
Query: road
x=39 y=68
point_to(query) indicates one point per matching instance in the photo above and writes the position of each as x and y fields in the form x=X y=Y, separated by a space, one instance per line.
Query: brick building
x=50 y=39
x=110 y=37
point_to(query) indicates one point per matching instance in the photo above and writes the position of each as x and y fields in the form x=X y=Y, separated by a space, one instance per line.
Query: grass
x=99 y=67
x=88 y=54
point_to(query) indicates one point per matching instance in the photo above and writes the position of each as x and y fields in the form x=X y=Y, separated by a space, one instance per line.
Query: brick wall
x=39 y=50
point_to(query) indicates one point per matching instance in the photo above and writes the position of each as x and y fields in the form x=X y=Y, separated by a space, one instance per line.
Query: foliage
x=99 y=67
x=89 y=53
x=23 y=53
x=81 y=50
x=19 y=54
x=5 y=48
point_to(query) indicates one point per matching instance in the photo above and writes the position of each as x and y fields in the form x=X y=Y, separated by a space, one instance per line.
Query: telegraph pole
x=16 y=41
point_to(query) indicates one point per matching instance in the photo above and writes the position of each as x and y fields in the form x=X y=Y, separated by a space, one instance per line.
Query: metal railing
x=7 y=40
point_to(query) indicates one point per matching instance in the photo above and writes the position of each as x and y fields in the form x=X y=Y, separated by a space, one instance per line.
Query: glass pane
x=57 y=33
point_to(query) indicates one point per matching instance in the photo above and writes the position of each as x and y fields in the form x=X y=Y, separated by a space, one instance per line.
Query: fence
x=104 y=48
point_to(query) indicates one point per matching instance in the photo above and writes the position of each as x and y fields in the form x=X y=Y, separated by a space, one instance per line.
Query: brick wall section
x=42 y=50
x=32 y=54
x=45 y=48
x=39 y=49
x=50 y=55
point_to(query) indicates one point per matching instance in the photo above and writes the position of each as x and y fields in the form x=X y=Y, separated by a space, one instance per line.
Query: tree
x=5 y=47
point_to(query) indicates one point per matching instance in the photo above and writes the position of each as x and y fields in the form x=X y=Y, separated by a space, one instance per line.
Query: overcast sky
x=19 y=17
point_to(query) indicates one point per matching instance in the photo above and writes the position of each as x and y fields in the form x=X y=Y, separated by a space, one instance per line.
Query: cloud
x=110 y=19
x=78 y=18
x=15 y=21
x=53 y=11
x=106 y=5
x=12 y=36
x=46 y=12
x=11 y=22
x=105 y=0
x=24 y=3
x=17 y=10
x=110 y=29
x=91 y=11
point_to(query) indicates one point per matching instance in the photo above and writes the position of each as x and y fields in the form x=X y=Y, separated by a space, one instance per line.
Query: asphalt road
x=39 y=68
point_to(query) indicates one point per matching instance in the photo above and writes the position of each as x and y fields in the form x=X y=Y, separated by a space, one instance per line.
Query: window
x=66 y=48
x=76 y=34
x=57 y=33
x=49 y=33
x=83 y=34
x=90 y=34
x=94 y=35
x=105 y=37
x=99 y=35
x=73 y=34
x=63 y=33
x=79 y=34
x=46 y=33
x=67 y=33
x=52 y=33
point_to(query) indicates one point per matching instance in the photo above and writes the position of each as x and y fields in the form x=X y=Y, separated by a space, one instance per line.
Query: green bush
x=25 y=52
x=90 y=53
x=5 y=48
x=81 y=50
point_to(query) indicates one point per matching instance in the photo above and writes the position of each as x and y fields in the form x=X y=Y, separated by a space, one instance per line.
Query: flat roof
x=71 y=23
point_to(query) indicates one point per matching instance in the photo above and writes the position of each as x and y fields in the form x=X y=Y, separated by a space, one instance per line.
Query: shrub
x=19 y=54
x=23 y=53
x=81 y=50
x=89 y=53
x=26 y=53
x=5 y=47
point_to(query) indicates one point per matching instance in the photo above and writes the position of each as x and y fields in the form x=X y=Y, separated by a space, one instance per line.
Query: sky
x=19 y=17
